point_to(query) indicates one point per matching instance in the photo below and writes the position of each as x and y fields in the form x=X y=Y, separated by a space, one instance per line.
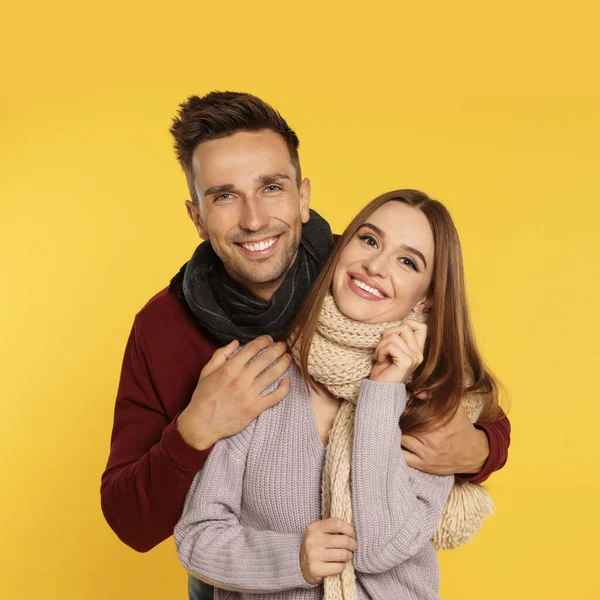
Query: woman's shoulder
x=295 y=379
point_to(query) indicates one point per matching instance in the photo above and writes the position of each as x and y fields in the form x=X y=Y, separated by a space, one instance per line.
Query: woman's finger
x=420 y=332
x=336 y=525
x=401 y=357
x=408 y=335
x=398 y=350
x=377 y=349
x=345 y=542
x=330 y=568
x=391 y=331
x=336 y=555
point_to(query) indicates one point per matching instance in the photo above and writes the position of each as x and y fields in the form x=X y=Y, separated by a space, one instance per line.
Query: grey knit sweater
x=248 y=509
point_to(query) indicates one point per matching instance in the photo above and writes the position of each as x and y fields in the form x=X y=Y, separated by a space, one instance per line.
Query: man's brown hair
x=220 y=114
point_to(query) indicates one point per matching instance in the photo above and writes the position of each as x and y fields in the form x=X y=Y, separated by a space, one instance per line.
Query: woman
x=254 y=523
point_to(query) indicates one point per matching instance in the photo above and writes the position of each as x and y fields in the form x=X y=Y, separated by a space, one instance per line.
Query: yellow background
x=492 y=108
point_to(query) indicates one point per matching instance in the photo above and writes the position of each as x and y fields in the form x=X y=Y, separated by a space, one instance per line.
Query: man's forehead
x=244 y=145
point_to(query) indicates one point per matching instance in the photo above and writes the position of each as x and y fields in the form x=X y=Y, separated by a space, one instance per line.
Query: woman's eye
x=409 y=262
x=369 y=240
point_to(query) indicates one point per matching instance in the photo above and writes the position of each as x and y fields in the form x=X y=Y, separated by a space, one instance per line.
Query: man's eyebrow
x=262 y=179
x=271 y=178
x=381 y=234
x=219 y=189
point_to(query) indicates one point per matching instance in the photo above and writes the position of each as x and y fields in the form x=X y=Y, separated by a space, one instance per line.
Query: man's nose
x=254 y=215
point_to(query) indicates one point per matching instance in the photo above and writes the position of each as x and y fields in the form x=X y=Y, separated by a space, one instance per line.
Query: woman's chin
x=360 y=311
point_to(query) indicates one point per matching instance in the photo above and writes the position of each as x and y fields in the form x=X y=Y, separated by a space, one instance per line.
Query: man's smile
x=259 y=248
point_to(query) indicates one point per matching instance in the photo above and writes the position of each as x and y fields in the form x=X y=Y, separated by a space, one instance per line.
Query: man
x=264 y=249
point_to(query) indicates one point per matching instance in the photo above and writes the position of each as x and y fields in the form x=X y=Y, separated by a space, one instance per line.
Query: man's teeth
x=260 y=246
x=367 y=288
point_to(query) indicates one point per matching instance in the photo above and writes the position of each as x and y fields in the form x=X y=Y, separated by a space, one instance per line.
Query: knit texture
x=340 y=357
x=228 y=310
x=247 y=511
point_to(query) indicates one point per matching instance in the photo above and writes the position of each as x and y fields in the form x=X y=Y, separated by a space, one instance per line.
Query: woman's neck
x=325 y=406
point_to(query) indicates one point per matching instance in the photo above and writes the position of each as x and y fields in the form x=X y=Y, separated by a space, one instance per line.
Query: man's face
x=250 y=206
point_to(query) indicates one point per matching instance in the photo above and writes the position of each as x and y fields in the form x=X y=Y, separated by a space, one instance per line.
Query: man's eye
x=273 y=188
x=223 y=197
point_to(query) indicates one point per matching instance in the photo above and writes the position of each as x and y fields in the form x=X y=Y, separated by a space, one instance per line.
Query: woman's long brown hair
x=452 y=365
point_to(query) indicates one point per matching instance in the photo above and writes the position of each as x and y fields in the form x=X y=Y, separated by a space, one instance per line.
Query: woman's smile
x=385 y=270
x=365 y=287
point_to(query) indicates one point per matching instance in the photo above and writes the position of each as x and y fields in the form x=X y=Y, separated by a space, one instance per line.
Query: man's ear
x=305 y=191
x=194 y=214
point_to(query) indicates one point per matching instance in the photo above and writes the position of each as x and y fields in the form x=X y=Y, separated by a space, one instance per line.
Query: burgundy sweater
x=150 y=467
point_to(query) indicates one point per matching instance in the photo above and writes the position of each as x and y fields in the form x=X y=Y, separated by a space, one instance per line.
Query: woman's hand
x=399 y=352
x=328 y=545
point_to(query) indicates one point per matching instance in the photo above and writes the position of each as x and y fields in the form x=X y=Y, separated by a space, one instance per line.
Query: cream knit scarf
x=340 y=357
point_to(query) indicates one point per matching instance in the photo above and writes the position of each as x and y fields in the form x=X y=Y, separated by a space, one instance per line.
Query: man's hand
x=228 y=396
x=457 y=447
x=328 y=545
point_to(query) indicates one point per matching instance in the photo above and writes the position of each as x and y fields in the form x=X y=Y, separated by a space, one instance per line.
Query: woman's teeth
x=362 y=285
x=260 y=246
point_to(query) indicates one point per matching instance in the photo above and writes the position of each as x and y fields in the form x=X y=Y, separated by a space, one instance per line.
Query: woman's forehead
x=403 y=224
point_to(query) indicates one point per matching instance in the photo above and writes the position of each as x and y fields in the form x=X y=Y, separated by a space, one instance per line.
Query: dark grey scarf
x=229 y=311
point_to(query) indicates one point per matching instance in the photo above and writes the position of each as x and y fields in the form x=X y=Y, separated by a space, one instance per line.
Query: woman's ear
x=422 y=307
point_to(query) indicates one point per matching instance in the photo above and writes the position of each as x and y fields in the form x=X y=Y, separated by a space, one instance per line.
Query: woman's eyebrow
x=381 y=234
x=415 y=252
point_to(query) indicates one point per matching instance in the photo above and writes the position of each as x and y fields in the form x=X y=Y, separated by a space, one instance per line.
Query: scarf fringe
x=466 y=508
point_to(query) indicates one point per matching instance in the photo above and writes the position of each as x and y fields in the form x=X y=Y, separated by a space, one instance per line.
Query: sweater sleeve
x=498 y=434
x=150 y=466
x=212 y=544
x=396 y=508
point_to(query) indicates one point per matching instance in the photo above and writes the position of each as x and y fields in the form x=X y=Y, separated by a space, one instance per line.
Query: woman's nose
x=376 y=266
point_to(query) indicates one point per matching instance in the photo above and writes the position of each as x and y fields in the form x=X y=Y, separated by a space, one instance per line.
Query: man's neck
x=262 y=291
x=265 y=291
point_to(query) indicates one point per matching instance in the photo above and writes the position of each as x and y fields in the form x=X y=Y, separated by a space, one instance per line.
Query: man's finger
x=413 y=444
x=412 y=460
x=219 y=358
x=265 y=360
x=277 y=395
x=273 y=371
x=250 y=350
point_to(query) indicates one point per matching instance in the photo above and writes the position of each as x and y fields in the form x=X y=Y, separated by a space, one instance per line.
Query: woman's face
x=385 y=270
